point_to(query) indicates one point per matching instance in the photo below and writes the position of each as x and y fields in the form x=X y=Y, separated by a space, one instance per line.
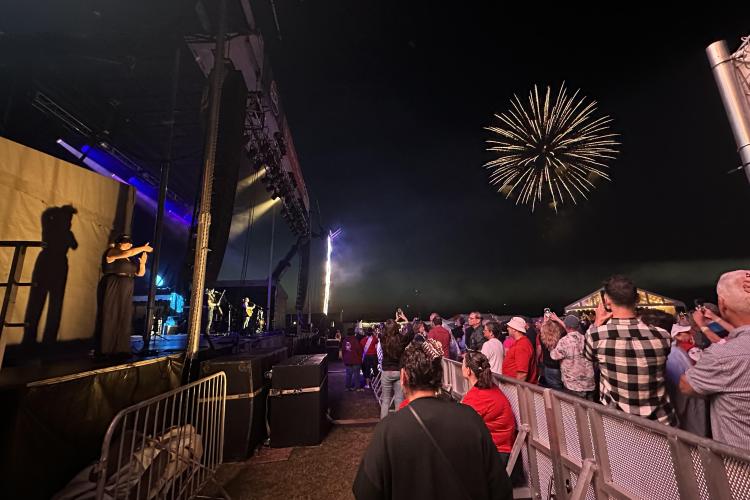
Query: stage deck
x=80 y=363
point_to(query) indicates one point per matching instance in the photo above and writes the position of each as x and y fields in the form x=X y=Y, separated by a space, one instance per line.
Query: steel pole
x=204 y=216
x=733 y=97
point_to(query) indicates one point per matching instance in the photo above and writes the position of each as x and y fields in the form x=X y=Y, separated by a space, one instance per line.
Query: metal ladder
x=11 y=286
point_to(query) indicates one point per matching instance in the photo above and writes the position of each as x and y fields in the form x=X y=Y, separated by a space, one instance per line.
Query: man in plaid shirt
x=632 y=356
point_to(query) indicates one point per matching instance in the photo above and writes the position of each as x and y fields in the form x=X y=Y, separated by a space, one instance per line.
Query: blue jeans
x=391 y=384
x=553 y=378
x=352 y=376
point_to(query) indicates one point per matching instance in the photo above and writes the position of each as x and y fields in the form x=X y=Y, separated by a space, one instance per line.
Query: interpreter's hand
x=147 y=248
x=602 y=315
x=143 y=258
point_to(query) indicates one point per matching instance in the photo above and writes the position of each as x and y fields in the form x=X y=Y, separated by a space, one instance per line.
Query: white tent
x=646 y=300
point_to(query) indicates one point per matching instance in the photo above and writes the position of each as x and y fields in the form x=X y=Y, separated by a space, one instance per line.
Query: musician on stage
x=248 y=307
x=214 y=305
x=119 y=270
x=261 y=321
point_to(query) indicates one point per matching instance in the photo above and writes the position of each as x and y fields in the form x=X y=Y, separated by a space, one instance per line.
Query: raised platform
x=77 y=361
x=55 y=414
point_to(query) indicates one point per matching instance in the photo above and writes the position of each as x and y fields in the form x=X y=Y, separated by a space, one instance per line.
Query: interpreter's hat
x=124 y=238
x=517 y=324
x=677 y=329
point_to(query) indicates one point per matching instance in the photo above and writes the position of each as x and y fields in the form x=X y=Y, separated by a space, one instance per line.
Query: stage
x=55 y=414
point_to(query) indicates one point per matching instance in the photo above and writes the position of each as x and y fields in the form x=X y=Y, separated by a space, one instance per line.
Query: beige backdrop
x=30 y=183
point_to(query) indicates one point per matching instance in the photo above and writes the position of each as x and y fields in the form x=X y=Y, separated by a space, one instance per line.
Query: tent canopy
x=646 y=300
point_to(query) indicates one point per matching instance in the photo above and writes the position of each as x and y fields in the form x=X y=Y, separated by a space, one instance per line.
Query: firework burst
x=550 y=151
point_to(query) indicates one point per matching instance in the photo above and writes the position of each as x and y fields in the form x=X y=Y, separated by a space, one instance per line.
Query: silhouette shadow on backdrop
x=50 y=275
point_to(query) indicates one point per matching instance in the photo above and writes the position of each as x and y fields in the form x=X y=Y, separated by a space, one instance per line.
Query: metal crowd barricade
x=573 y=449
x=377 y=387
x=166 y=447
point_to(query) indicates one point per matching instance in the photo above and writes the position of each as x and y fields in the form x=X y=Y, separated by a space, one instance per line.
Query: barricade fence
x=573 y=449
x=166 y=447
x=377 y=387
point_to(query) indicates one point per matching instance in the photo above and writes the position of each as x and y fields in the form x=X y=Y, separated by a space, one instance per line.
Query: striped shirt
x=723 y=374
x=632 y=359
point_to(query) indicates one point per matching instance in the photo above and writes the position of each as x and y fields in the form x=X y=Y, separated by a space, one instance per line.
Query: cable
x=248 y=231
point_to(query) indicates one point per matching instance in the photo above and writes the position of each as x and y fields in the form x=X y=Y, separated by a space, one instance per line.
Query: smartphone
x=601 y=294
x=718 y=329
x=547 y=312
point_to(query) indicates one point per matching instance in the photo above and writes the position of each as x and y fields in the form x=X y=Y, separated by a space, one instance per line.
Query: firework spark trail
x=550 y=149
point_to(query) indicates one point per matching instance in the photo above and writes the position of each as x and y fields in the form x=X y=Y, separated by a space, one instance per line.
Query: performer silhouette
x=214 y=306
x=248 y=308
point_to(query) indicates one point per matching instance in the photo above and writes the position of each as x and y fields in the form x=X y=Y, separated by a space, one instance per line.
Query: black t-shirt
x=531 y=334
x=457 y=332
x=119 y=266
x=394 y=364
x=547 y=359
x=402 y=463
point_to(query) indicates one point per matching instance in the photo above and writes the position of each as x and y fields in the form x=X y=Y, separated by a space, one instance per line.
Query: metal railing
x=571 y=448
x=11 y=286
x=377 y=387
x=168 y=446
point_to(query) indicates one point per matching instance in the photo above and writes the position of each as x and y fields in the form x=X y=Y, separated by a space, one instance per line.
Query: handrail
x=589 y=449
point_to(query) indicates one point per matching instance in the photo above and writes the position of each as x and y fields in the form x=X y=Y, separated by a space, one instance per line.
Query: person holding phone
x=721 y=374
x=401 y=317
x=632 y=356
x=713 y=327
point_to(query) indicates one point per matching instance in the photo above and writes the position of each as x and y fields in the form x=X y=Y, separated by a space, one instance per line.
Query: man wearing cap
x=722 y=373
x=520 y=360
x=577 y=371
x=117 y=299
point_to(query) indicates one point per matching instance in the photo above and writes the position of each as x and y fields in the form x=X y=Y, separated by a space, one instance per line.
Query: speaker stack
x=299 y=401
x=247 y=396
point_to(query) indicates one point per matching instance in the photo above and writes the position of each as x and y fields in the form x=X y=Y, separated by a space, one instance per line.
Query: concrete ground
x=319 y=472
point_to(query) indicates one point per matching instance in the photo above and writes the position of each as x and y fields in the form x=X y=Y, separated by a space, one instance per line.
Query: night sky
x=387 y=102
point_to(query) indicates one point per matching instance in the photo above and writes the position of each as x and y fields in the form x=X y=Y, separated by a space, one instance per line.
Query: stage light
x=96 y=167
x=264 y=207
x=159 y=280
x=145 y=193
x=239 y=227
x=252 y=179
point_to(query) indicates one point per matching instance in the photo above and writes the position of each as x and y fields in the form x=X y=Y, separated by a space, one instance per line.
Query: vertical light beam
x=327 y=295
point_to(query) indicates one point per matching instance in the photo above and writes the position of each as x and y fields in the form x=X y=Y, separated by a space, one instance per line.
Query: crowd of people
x=688 y=370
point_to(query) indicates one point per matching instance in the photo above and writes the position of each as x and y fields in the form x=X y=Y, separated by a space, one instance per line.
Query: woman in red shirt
x=489 y=402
